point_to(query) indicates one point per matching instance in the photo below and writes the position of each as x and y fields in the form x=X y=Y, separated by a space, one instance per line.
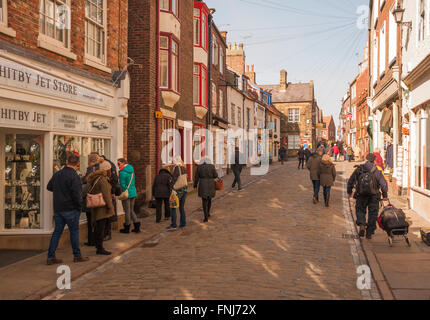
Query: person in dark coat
x=204 y=179
x=180 y=185
x=282 y=154
x=67 y=189
x=308 y=154
x=301 y=157
x=370 y=202
x=93 y=165
x=314 y=166
x=237 y=167
x=161 y=190
x=327 y=173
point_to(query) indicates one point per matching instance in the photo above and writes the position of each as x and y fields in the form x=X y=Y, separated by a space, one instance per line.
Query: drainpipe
x=157 y=90
x=209 y=86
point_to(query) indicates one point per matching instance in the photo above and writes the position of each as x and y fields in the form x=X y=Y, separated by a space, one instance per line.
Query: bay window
x=95 y=29
x=199 y=85
x=169 y=63
x=171 y=6
x=200 y=27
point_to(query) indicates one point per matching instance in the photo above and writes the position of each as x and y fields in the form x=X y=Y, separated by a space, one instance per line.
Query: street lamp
x=398 y=13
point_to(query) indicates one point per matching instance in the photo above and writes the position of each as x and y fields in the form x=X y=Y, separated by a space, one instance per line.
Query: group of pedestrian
x=323 y=174
x=95 y=194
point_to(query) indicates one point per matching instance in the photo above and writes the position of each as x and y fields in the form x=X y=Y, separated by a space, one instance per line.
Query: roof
x=296 y=92
x=327 y=120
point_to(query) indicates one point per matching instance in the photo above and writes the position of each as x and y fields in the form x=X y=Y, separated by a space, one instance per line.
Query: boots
x=327 y=199
x=126 y=229
x=136 y=227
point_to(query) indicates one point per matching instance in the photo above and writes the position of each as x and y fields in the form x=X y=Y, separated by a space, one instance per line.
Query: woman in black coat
x=161 y=190
x=205 y=179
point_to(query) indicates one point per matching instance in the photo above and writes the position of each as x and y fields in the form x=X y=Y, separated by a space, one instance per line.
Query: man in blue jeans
x=67 y=189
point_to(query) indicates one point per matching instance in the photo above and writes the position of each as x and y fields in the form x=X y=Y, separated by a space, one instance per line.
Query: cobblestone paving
x=268 y=241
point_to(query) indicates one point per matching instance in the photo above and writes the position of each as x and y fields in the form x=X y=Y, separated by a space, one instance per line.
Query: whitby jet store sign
x=19 y=76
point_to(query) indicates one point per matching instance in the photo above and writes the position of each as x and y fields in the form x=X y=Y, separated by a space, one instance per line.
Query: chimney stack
x=283 y=81
x=224 y=35
x=250 y=73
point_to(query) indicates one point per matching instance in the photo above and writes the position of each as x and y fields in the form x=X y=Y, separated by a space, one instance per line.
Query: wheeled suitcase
x=393 y=221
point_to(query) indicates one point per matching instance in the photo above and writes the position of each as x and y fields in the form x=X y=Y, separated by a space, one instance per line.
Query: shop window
x=95 y=29
x=22 y=181
x=82 y=147
x=54 y=20
x=293 y=142
x=169 y=63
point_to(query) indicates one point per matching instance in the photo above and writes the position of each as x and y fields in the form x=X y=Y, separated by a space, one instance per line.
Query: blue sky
x=312 y=39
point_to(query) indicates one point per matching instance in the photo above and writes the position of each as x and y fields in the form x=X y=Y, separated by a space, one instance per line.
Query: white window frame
x=421 y=22
x=293 y=142
x=221 y=60
x=382 y=50
x=375 y=61
x=221 y=103
x=233 y=114
x=214 y=97
x=89 y=59
x=375 y=12
x=392 y=38
x=239 y=117
x=294 y=115
x=4 y=22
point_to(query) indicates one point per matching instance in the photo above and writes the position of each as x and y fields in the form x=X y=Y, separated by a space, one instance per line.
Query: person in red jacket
x=336 y=152
x=378 y=160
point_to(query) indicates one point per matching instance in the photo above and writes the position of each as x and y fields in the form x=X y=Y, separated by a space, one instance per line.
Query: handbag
x=182 y=181
x=219 y=184
x=95 y=200
x=124 y=195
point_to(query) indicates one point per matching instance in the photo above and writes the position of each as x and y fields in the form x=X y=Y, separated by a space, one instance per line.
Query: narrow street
x=268 y=241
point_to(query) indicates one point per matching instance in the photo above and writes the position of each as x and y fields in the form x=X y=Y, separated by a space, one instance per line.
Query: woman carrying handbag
x=99 y=201
x=128 y=196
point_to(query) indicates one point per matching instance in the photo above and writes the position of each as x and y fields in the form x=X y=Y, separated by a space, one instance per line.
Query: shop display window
x=22 y=181
x=81 y=146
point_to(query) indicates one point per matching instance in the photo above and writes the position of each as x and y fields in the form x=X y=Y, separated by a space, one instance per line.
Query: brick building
x=362 y=124
x=329 y=130
x=63 y=89
x=297 y=103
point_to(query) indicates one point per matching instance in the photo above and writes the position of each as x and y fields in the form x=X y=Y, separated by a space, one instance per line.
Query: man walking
x=313 y=166
x=67 y=189
x=237 y=167
x=368 y=182
x=308 y=154
x=301 y=156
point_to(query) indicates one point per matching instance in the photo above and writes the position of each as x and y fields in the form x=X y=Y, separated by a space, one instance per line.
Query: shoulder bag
x=124 y=195
x=182 y=181
x=95 y=200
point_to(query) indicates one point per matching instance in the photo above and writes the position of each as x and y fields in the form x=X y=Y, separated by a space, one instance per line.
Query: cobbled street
x=268 y=241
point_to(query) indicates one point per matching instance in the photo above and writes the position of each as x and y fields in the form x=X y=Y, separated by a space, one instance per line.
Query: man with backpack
x=369 y=183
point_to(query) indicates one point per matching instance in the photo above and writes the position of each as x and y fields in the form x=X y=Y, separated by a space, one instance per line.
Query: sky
x=320 y=40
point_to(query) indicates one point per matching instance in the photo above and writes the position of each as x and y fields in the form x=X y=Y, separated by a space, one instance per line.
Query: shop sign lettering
x=16 y=75
x=10 y=115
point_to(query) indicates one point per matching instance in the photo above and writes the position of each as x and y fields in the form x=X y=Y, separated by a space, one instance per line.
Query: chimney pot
x=252 y=68
x=235 y=46
x=241 y=45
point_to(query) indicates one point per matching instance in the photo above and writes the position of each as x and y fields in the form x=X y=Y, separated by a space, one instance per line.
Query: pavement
x=268 y=241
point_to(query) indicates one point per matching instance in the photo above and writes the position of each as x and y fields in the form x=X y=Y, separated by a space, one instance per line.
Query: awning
x=387 y=121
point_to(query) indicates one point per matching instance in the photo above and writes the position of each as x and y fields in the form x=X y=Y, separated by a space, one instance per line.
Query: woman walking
x=205 y=180
x=327 y=174
x=180 y=181
x=127 y=182
x=99 y=183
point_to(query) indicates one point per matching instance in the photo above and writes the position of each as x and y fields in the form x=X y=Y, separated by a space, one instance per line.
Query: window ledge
x=7 y=31
x=53 y=46
x=90 y=62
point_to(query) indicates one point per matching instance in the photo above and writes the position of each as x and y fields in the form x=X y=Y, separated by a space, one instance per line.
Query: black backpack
x=366 y=182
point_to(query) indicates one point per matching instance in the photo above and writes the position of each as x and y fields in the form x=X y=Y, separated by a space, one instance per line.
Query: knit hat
x=105 y=165
x=371 y=157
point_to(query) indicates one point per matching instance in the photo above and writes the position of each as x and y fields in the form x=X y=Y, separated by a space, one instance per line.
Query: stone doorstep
x=86 y=268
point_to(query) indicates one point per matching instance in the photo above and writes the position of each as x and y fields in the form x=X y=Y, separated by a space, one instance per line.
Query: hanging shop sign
x=16 y=75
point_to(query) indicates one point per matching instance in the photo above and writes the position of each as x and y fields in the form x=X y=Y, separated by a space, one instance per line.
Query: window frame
x=203 y=84
x=214 y=98
x=220 y=102
x=171 y=39
x=89 y=56
x=296 y=142
x=233 y=114
x=294 y=115
x=170 y=10
x=203 y=36
x=4 y=24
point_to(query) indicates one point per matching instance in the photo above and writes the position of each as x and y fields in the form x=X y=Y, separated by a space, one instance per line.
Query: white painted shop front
x=45 y=114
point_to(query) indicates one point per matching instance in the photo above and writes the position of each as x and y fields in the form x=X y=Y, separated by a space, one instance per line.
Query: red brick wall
x=23 y=17
x=217 y=77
